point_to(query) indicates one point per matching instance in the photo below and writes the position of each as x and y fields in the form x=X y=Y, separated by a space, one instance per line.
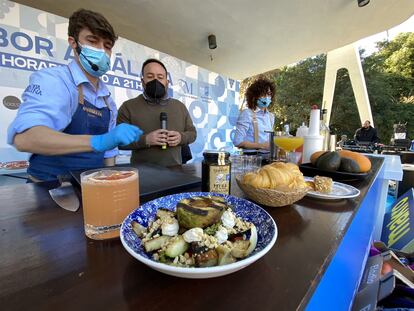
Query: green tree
x=389 y=76
x=397 y=55
x=299 y=87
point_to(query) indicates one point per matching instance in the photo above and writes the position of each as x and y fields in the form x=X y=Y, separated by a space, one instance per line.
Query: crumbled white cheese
x=228 y=219
x=193 y=235
x=221 y=235
x=170 y=227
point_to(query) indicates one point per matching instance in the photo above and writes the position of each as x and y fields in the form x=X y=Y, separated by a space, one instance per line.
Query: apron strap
x=270 y=121
x=242 y=105
x=107 y=104
x=111 y=113
x=255 y=128
x=81 y=100
x=80 y=94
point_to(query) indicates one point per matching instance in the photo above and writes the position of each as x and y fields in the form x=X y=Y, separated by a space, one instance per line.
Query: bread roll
x=363 y=161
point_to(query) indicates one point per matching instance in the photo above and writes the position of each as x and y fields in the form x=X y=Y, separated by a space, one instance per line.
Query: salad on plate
x=203 y=231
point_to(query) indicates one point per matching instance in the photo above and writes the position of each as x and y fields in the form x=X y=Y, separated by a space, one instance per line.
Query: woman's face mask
x=264 y=102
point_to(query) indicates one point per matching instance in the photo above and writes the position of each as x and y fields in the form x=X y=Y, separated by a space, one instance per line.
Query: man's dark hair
x=94 y=21
x=257 y=89
x=153 y=60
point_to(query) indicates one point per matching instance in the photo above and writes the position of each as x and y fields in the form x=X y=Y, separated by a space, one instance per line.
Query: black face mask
x=155 y=89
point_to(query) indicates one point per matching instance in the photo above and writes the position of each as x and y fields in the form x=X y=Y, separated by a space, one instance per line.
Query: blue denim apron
x=87 y=120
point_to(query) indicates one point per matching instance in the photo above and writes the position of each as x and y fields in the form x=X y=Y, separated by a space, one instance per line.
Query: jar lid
x=214 y=154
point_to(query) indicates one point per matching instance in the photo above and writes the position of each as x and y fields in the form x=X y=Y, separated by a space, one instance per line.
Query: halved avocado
x=200 y=212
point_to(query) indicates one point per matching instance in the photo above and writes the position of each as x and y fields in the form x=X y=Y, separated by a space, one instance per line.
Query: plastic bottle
x=313 y=141
x=301 y=131
x=314 y=121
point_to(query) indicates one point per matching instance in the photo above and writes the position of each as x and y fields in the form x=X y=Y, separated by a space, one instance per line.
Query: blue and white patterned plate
x=266 y=232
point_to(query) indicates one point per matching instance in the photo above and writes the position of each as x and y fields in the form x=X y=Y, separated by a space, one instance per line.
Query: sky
x=368 y=43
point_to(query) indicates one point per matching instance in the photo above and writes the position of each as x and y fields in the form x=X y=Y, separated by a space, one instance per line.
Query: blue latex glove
x=123 y=134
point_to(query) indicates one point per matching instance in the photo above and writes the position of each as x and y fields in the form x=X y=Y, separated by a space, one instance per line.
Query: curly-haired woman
x=256 y=119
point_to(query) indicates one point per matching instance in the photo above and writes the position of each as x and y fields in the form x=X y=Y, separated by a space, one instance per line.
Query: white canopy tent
x=252 y=36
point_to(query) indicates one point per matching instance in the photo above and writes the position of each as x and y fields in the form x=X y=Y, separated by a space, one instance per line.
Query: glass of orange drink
x=108 y=196
x=289 y=144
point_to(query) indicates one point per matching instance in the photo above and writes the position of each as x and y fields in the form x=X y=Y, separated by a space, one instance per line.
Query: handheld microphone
x=93 y=66
x=163 y=125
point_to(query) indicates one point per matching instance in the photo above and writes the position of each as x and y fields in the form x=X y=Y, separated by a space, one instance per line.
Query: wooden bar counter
x=47 y=263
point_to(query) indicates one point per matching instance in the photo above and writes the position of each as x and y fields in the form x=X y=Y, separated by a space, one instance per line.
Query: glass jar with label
x=216 y=172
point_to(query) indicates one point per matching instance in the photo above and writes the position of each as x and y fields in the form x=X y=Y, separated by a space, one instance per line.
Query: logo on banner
x=11 y=102
x=186 y=87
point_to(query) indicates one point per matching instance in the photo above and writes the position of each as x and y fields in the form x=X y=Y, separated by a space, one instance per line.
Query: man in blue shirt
x=67 y=119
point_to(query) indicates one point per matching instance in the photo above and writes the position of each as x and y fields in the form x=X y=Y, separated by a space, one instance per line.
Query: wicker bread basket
x=271 y=197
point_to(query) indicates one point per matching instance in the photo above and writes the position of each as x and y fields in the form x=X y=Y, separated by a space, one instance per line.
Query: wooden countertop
x=46 y=262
